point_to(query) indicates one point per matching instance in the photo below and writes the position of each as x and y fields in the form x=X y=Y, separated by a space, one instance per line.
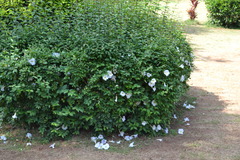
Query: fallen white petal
x=132 y=144
x=160 y=140
x=52 y=145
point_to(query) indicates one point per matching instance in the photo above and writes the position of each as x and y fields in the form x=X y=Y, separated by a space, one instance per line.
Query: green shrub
x=224 y=12
x=105 y=67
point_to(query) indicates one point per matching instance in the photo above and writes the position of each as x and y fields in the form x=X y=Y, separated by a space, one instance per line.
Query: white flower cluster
x=146 y=74
x=123 y=94
x=100 y=142
x=166 y=72
x=156 y=128
x=109 y=75
x=152 y=84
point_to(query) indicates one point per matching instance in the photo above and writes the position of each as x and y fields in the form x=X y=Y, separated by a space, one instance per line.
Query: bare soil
x=214 y=133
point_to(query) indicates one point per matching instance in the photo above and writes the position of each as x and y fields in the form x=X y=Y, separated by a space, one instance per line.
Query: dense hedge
x=224 y=12
x=105 y=67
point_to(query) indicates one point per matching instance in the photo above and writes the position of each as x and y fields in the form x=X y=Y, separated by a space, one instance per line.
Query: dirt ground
x=214 y=133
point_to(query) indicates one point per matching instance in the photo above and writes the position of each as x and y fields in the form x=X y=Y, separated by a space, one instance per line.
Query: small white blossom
x=158 y=128
x=182 y=78
x=135 y=136
x=154 y=127
x=144 y=123
x=64 y=127
x=121 y=134
x=105 y=77
x=186 y=119
x=52 y=145
x=128 y=95
x=98 y=145
x=187 y=124
x=29 y=135
x=106 y=146
x=128 y=138
x=164 y=84
x=154 y=103
x=151 y=84
x=4 y=138
x=123 y=118
x=94 y=139
x=149 y=74
x=100 y=136
x=56 y=54
x=111 y=141
x=180 y=131
x=181 y=66
x=154 y=89
x=14 y=116
x=28 y=144
x=132 y=145
x=110 y=74
x=160 y=140
x=118 y=142
x=166 y=72
x=174 y=116
x=122 y=93
x=103 y=141
x=32 y=61
x=153 y=80
x=166 y=130
x=116 y=99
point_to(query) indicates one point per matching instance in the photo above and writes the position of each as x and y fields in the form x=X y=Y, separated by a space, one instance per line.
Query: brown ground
x=214 y=133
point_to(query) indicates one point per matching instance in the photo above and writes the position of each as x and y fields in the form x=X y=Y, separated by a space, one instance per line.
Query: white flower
x=118 y=142
x=29 y=135
x=122 y=93
x=154 y=127
x=110 y=74
x=151 y=84
x=128 y=138
x=166 y=131
x=100 y=136
x=32 y=61
x=14 y=116
x=4 y=138
x=56 y=54
x=144 y=73
x=28 y=144
x=112 y=141
x=128 y=95
x=52 y=145
x=121 y=134
x=182 y=78
x=180 y=131
x=103 y=141
x=132 y=145
x=94 y=139
x=144 y=123
x=181 y=66
x=149 y=74
x=116 y=99
x=153 y=80
x=187 y=124
x=154 y=89
x=186 y=119
x=189 y=106
x=177 y=49
x=2 y=88
x=174 y=116
x=98 y=145
x=160 y=140
x=158 y=128
x=105 y=77
x=154 y=103
x=135 y=136
x=64 y=127
x=164 y=84
x=123 y=118
x=105 y=146
x=166 y=72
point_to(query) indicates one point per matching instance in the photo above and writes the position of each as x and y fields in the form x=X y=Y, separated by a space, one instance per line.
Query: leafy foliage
x=224 y=12
x=104 y=67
